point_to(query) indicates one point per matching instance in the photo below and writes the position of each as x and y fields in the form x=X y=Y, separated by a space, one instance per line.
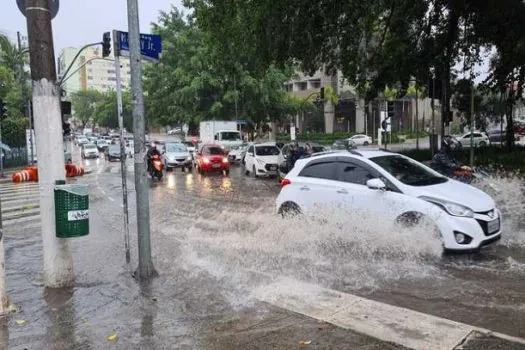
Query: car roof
x=265 y=144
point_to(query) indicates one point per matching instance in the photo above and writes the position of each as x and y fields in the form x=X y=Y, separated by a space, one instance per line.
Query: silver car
x=176 y=155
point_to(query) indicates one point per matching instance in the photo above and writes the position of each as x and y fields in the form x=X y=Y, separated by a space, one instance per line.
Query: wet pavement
x=216 y=240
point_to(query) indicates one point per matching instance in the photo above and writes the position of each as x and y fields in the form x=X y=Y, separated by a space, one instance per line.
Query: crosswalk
x=20 y=203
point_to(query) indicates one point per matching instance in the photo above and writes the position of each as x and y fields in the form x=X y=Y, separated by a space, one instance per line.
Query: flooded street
x=217 y=243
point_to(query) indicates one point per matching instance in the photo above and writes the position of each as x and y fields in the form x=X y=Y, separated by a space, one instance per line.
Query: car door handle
x=305 y=188
x=342 y=191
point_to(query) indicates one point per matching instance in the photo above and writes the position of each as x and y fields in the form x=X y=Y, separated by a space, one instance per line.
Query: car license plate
x=273 y=167
x=216 y=165
x=493 y=226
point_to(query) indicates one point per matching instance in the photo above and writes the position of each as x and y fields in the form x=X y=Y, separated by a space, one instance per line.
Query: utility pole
x=5 y=307
x=58 y=261
x=145 y=268
x=417 y=117
x=472 y=125
x=123 y=154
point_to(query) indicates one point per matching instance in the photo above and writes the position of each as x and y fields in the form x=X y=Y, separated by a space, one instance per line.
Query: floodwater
x=217 y=239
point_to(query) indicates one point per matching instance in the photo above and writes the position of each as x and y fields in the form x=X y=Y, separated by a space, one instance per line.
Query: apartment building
x=92 y=71
x=346 y=116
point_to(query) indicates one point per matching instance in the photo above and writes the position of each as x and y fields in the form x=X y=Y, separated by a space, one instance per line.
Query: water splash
x=333 y=247
x=508 y=192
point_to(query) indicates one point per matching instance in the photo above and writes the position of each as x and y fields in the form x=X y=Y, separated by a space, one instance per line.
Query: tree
x=84 y=104
x=375 y=43
x=198 y=79
x=106 y=112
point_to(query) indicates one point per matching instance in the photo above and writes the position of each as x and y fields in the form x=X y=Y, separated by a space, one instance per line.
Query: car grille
x=180 y=159
x=484 y=226
x=271 y=167
x=216 y=161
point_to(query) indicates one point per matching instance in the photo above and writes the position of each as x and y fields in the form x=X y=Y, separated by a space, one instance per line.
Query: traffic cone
x=33 y=172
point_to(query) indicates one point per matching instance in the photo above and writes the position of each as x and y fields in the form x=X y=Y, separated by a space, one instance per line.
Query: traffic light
x=65 y=107
x=66 y=128
x=321 y=93
x=106 y=44
x=390 y=109
x=3 y=110
x=384 y=125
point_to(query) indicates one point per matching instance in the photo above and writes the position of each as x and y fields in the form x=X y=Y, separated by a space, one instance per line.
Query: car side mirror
x=376 y=184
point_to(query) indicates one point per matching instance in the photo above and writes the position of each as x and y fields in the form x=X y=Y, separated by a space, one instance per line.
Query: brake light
x=285 y=182
x=205 y=160
x=225 y=160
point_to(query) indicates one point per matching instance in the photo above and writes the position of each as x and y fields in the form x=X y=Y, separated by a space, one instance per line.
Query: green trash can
x=71 y=210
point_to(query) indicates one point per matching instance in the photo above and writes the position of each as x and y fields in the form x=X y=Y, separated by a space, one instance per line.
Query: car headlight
x=188 y=158
x=452 y=208
x=261 y=163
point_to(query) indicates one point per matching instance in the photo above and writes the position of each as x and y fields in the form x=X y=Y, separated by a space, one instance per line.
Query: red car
x=212 y=158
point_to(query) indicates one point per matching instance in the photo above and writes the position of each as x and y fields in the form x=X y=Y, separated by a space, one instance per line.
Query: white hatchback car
x=400 y=189
x=479 y=139
x=361 y=140
x=262 y=159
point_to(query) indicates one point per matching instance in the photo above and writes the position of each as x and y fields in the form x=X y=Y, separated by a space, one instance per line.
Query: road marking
x=20 y=203
x=111 y=198
x=382 y=321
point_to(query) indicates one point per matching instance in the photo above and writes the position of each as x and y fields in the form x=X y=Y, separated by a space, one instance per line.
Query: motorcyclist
x=445 y=159
x=293 y=155
x=152 y=151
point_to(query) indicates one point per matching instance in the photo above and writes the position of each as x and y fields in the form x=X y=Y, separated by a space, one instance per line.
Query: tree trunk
x=510 y=124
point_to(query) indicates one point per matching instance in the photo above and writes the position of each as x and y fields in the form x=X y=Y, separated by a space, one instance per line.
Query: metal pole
x=433 y=121
x=417 y=118
x=472 y=125
x=1 y=155
x=236 y=104
x=31 y=141
x=4 y=299
x=58 y=261
x=145 y=268
x=75 y=58
x=123 y=157
x=25 y=97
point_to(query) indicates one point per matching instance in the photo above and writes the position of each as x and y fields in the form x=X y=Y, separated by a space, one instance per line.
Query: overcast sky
x=84 y=21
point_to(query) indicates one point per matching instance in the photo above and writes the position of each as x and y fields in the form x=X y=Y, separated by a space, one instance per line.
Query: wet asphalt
x=215 y=239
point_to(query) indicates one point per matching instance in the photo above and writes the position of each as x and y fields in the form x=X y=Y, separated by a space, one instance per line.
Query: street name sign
x=150 y=45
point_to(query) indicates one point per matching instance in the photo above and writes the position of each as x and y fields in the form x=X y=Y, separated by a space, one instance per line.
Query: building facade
x=91 y=70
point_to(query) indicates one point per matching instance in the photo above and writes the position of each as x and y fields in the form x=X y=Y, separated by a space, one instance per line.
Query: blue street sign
x=242 y=122
x=150 y=45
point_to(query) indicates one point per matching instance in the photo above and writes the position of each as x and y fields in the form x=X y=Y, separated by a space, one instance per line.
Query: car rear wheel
x=365 y=143
x=482 y=144
x=289 y=209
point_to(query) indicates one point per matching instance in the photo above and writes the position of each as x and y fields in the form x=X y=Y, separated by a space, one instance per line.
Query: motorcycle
x=157 y=167
x=463 y=173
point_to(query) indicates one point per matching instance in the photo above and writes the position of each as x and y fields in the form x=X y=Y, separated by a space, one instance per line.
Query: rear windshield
x=90 y=146
x=267 y=151
x=213 y=151
x=114 y=148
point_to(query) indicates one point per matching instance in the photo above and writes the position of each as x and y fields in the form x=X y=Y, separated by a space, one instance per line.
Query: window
x=212 y=151
x=315 y=84
x=408 y=171
x=250 y=150
x=176 y=148
x=230 y=136
x=320 y=170
x=477 y=135
x=302 y=86
x=267 y=151
x=353 y=173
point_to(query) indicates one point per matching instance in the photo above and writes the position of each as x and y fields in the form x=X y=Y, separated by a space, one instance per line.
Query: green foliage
x=15 y=123
x=106 y=111
x=198 y=79
x=84 y=104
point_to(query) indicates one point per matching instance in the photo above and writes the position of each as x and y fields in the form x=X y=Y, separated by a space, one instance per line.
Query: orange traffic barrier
x=74 y=170
x=33 y=172
x=22 y=176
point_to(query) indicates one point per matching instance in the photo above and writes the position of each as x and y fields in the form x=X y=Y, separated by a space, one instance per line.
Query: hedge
x=492 y=158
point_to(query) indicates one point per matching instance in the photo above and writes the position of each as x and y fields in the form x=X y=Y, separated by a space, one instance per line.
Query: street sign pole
x=145 y=267
x=123 y=154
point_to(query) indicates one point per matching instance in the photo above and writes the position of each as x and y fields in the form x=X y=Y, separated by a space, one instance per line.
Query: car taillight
x=285 y=182
x=225 y=160
x=205 y=160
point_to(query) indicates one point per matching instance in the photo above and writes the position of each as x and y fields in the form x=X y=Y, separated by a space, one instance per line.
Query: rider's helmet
x=448 y=144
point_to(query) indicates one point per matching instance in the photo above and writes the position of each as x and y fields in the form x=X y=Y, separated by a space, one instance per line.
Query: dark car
x=113 y=153
x=284 y=165
x=497 y=136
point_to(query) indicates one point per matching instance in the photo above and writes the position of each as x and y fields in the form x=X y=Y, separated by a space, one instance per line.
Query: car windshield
x=267 y=151
x=318 y=149
x=408 y=171
x=90 y=146
x=340 y=144
x=213 y=151
x=176 y=148
x=231 y=136
x=114 y=148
